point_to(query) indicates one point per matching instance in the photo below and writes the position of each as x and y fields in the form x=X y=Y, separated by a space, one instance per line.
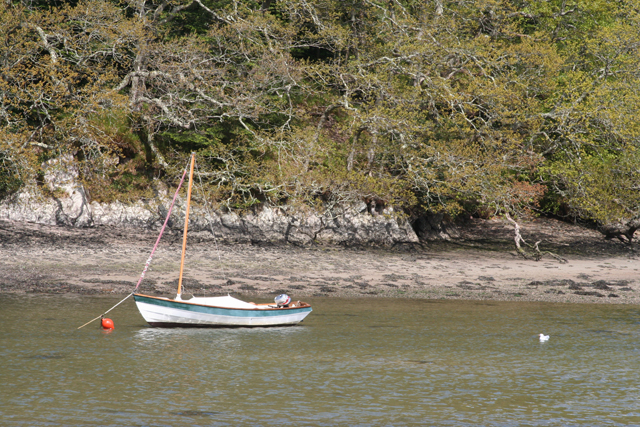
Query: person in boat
x=282 y=301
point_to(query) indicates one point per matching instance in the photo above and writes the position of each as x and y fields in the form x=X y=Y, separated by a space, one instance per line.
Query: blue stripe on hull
x=235 y=312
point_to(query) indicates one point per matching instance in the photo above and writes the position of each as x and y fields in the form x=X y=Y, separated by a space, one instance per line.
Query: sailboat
x=222 y=311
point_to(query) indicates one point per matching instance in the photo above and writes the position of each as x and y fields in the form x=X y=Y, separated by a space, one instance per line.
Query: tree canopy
x=486 y=107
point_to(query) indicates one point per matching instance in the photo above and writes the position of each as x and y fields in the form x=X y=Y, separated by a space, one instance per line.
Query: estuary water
x=354 y=362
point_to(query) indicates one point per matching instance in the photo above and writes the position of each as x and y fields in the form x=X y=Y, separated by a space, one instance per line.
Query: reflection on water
x=351 y=362
x=157 y=335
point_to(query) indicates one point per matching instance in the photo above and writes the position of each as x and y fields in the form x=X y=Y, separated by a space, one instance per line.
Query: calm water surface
x=368 y=362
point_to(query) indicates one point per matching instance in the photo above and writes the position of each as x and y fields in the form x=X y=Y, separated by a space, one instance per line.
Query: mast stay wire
x=208 y=213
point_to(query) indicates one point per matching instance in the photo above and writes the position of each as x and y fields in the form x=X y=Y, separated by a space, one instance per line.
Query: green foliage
x=490 y=106
x=115 y=167
x=9 y=179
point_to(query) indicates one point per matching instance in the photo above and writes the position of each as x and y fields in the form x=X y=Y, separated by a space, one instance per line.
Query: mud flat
x=481 y=264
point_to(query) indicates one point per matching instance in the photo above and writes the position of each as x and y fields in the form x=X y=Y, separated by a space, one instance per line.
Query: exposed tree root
x=623 y=231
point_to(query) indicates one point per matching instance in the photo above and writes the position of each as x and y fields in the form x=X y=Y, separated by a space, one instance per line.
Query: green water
x=368 y=362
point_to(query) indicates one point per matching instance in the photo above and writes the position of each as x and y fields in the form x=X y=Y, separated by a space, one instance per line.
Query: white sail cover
x=226 y=302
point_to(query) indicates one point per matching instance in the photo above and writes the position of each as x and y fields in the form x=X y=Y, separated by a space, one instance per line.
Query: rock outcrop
x=350 y=225
x=67 y=204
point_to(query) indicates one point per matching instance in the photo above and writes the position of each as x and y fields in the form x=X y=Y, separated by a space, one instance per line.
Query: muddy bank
x=480 y=264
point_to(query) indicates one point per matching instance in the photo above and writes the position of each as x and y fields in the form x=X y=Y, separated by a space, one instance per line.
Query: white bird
x=544 y=337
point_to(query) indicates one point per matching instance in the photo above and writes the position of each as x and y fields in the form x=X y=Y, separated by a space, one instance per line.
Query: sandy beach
x=480 y=264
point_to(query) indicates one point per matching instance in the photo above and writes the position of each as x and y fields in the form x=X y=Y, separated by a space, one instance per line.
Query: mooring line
x=146 y=266
x=102 y=315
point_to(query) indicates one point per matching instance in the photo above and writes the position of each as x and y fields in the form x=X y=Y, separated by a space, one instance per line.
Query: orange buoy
x=107 y=323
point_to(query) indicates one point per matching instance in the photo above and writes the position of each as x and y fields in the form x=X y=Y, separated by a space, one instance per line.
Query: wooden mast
x=186 y=225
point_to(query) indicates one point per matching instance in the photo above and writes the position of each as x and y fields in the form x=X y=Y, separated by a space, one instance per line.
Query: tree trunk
x=623 y=231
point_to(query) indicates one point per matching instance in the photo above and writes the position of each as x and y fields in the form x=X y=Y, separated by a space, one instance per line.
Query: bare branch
x=538 y=254
x=45 y=42
x=226 y=20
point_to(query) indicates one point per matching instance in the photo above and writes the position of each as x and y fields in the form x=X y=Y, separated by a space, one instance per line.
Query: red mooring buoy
x=107 y=323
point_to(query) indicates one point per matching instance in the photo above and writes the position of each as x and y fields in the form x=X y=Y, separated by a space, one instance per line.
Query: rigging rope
x=146 y=267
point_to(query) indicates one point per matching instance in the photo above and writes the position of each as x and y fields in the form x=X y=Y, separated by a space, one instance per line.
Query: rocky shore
x=480 y=264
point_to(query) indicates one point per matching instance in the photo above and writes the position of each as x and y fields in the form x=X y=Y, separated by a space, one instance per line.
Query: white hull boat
x=213 y=311
x=217 y=311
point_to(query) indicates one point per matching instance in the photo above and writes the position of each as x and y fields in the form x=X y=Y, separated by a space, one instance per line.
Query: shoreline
x=481 y=264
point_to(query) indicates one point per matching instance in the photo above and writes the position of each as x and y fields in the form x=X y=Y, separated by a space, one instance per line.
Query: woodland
x=484 y=108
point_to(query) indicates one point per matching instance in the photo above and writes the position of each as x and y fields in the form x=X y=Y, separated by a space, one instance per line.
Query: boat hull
x=163 y=312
